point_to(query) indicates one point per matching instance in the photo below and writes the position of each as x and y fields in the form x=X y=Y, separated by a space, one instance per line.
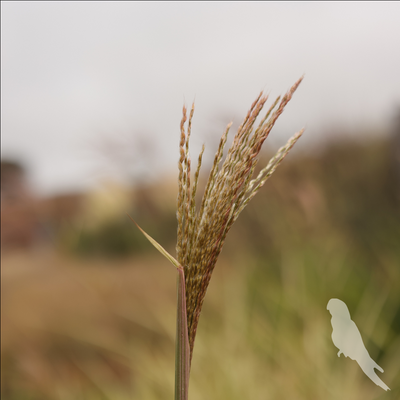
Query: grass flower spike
x=229 y=188
x=202 y=230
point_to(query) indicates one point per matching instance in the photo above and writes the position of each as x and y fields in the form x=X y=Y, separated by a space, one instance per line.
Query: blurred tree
x=18 y=221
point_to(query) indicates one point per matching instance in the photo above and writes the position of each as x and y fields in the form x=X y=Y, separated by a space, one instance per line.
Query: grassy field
x=81 y=322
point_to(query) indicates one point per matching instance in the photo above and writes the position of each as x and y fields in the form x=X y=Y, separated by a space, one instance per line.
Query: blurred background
x=92 y=95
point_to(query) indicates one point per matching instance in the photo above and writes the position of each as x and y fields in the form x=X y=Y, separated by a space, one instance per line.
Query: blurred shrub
x=103 y=228
x=113 y=239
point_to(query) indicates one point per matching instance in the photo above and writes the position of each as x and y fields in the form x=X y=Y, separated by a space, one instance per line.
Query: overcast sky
x=83 y=82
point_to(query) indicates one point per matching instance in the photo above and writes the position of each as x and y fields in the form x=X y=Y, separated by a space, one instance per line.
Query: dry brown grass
x=68 y=323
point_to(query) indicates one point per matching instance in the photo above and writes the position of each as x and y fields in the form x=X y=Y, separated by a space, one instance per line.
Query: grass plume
x=230 y=187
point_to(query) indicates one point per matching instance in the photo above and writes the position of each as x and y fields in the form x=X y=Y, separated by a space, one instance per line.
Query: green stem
x=182 y=349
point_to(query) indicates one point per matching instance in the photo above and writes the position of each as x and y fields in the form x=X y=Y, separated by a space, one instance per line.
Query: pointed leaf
x=158 y=246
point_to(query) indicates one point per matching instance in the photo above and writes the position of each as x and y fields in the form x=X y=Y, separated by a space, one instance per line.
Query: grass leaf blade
x=157 y=246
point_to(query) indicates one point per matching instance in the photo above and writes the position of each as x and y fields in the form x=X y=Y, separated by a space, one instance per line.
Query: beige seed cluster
x=229 y=188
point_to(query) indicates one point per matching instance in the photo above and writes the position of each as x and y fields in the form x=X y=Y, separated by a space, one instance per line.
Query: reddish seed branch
x=228 y=190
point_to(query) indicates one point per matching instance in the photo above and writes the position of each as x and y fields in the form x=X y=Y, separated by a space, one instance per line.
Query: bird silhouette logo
x=347 y=338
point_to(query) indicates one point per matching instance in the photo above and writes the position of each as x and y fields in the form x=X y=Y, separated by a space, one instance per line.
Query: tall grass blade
x=182 y=348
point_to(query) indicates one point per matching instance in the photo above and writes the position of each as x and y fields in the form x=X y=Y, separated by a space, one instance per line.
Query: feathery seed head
x=229 y=188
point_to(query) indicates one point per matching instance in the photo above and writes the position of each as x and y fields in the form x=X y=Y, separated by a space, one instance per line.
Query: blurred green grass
x=94 y=316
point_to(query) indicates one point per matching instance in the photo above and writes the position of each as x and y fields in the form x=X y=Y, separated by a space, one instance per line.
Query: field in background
x=88 y=308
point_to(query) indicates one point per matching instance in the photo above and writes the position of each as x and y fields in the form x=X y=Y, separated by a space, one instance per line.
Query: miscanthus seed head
x=228 y=190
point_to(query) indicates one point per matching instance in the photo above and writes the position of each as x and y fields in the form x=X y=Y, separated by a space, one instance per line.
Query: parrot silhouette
x=347 y=338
